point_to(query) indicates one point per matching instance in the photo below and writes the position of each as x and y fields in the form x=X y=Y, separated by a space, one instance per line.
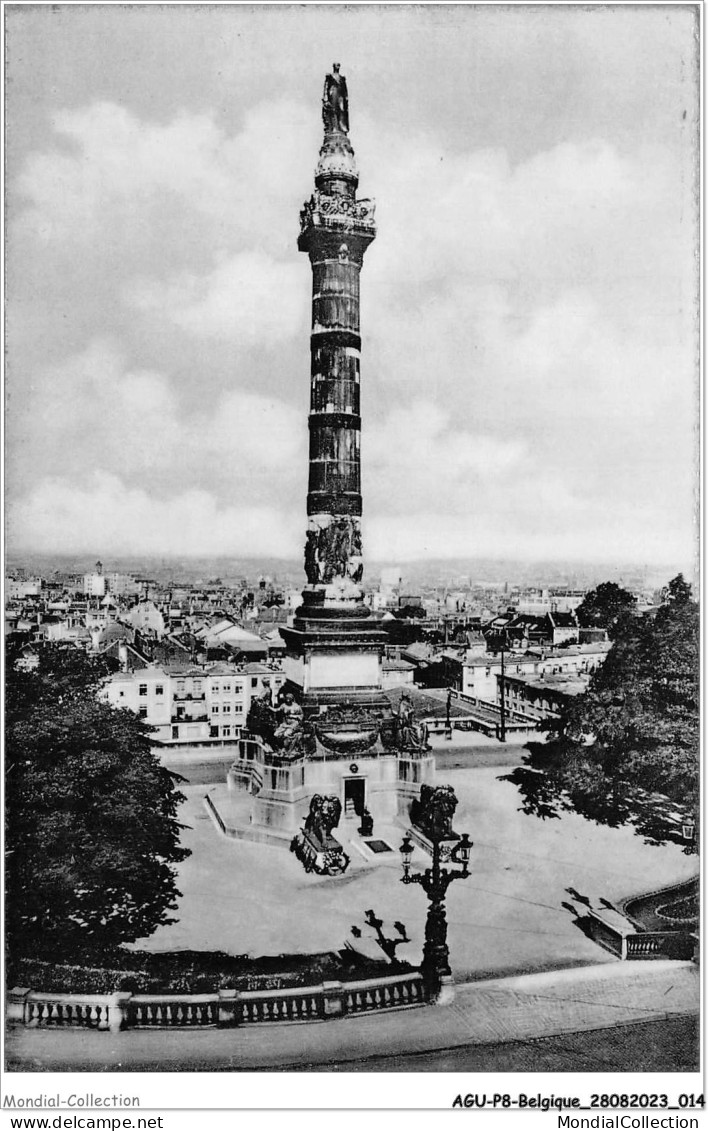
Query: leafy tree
x=92 y=829
x=605 y=606
x=626 y=751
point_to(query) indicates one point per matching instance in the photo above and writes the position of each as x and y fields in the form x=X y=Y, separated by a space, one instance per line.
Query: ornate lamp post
x=688 y=830
x=435 y=881
x=501 y=727
x=688 y=833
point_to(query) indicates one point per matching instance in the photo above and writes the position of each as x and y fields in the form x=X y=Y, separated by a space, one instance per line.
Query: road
x=669 y=1045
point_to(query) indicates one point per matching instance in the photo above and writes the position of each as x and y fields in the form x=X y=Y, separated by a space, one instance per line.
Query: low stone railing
x=659 y=944
x=227 y=1008
x=77 y=1011
x=625 y=941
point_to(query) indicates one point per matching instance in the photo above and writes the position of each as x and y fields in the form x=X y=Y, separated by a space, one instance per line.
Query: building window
x=175 y=732
x=254 y=682
x=143 y=690
x=142 y=711
x=238 y=688
x=159 y=689
x=238 y=708
x=226 y=688
x=121 y=694
x=213 y=732
x=226 y=708
x=226 y=732
x=197 y=686
x=215 y=709
x=215 y=689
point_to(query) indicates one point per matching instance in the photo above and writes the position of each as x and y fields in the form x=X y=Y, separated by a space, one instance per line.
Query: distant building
x=193 y=705
x=541 y=696
x=396 y=673
x=122 y=585
x=21 y=589
x=226 y=637
x=480 y=672
x=94 y=584
x=525 y=629
x=147 y=618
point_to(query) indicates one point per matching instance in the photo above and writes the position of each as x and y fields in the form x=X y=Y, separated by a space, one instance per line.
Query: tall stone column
x=333 y=642
x=336 y=230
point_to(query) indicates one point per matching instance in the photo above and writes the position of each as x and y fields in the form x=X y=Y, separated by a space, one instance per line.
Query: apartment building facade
x=200 y=706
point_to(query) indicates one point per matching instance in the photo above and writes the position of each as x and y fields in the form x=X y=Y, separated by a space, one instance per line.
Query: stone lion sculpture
x=315 y=846
x=434 y=811
x=324 y=815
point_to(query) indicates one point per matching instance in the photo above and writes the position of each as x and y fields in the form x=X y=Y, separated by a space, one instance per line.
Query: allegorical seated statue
x=279 y=726
x=335 y=102
x=261 y=719
x=290 y=727
x=409 y=734
x=433 y=812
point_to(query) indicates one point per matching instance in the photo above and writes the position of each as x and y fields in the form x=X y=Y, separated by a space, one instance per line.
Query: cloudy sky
x=528 y=308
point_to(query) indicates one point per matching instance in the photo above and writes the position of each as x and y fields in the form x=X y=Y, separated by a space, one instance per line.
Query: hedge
x=187 y=971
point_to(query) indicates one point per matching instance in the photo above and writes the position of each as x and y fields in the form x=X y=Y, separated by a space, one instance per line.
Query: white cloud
x=113 y=170
x=98 y=413
x=528 y=332
x=249 y=298
x=542 y=523
x=419 y=454
x=106 y=516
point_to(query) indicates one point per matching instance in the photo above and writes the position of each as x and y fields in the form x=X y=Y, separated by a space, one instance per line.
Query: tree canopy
x=605 y=606
x=92 y=829
x=626 y=751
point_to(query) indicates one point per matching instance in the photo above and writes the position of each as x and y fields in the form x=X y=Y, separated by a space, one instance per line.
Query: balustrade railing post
x=16 y=1000
x=118 y=1011
x=334 y=999
x=229 y=1012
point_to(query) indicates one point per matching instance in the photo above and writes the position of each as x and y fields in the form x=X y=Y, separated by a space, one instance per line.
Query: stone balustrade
x=162 y=1011
x=659 y=944
x=618 y=935
x=227 y=1008
x=102 y=1012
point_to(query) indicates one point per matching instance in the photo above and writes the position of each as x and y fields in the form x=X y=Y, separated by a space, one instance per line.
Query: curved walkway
x=490 y=1012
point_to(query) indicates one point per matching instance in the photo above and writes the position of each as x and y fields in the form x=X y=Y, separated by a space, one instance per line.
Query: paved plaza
x=507 y=917
x=528 y=978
